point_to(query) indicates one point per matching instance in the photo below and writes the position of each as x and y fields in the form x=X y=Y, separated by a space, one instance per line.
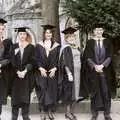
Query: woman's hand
x=70 y=77
x=52 y=72
x=43 y=72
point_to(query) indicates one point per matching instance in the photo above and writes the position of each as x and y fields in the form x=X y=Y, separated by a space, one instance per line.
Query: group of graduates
x=60 y=75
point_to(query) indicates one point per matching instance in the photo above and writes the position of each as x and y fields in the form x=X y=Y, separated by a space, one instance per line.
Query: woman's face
x=71 y=39
x=98 y=32
x=22 y=36
x=48 y=34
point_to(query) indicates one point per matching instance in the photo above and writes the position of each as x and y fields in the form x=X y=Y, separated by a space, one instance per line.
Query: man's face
x=22 y=36
x=98 y=32
x=2 y=27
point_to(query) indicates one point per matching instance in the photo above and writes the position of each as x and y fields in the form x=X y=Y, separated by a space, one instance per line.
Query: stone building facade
x=21 y=13
x=29 y=13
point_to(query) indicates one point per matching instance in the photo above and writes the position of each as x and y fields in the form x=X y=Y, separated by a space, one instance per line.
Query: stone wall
x=20 y=13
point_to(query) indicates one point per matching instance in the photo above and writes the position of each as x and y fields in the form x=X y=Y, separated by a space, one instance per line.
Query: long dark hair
x=52 y=31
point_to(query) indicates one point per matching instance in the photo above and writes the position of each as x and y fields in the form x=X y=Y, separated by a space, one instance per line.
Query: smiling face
x=70 y=38
x=98 y=32
x=2 y=27
x=48 y=34
x=22 y=36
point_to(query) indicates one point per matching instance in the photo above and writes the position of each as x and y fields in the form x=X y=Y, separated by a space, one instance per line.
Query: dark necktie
x=99 y=48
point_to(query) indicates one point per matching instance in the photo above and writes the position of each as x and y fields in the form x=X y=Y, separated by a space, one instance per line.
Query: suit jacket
x=89 y=80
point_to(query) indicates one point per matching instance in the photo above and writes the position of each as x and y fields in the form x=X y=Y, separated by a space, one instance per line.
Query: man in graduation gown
x=98 y=77
x=5 y=46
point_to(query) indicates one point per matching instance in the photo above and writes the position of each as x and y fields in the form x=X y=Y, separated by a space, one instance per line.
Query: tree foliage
x=89 y=12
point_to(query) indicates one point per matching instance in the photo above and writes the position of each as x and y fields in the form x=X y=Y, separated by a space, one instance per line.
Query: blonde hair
x=67 y=36
x=29 y=38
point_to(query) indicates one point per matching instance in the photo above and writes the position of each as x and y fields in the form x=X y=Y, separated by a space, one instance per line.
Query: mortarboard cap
x=99 y=25
x=69 y=30
x=21 y=29
x=2 y=21
x=48 y=26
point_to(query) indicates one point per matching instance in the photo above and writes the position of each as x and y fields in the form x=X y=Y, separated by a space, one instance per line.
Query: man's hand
x=99 y=68
x=21 y=74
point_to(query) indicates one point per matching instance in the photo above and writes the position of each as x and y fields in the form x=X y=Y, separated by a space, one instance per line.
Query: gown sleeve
x=68 y=60
x=31 y=63
x=38 y=57
x=6 y=56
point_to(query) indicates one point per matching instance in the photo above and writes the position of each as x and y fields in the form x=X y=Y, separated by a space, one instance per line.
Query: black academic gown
x=66 y=89
x=101 y=87
x=21 y=88
x=46 y=87
x=5 y=70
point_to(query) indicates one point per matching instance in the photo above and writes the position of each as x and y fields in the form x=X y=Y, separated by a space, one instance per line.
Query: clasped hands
x=99 y=68
x=21 y=74
x=51 y=72
x=70 y=77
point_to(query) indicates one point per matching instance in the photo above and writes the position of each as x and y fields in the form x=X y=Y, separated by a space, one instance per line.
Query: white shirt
x=101 y=43
x=101 y=40
x=47 y=44
x=21 y=52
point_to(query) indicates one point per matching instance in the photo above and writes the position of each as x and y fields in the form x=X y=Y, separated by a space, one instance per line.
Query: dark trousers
x=0 y=109
x=25 y=111
x=101 y=101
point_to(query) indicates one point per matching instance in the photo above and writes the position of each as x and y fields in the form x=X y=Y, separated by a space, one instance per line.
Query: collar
x=95 y=38
x=74 y=46
x=55 y=44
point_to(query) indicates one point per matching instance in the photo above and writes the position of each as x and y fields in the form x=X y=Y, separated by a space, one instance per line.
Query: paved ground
x=82 y=112
x=6 y=115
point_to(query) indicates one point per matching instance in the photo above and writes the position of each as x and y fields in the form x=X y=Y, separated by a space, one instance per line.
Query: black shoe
x=68 y=116
x=93 y=118
x=94 y=115
x=26 y=118
x=51 y=116
x=13 y=118
x=43 y=116
x=74 y=117
x=108 y=117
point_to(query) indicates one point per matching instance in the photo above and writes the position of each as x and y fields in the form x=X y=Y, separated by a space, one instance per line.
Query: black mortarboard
x=21 y=29
x=48 y=26
x=2 y=21
x=69 y=30
x=99 y=25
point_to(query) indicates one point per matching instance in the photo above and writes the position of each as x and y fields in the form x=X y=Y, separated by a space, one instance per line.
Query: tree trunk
x=51 y=15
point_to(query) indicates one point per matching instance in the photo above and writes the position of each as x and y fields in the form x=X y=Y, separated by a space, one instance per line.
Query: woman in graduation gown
x=47 y=55
x=5 y=47
x=98 y=74
x=69 y=72
x=23 y=59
